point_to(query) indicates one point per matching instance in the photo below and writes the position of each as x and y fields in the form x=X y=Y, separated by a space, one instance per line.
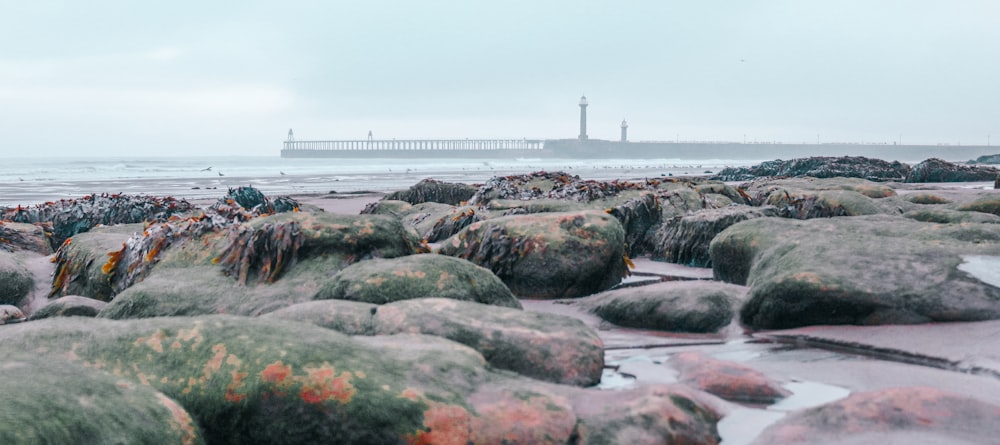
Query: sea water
x=26 y=181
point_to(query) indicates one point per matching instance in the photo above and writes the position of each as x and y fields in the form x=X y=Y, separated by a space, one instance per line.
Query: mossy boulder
x=926 y=198
x=682 y=306
x=253 y=380
x=685 y=239
x=16 y=281
x=386 y=280
x=543 y=346
x=20 y=236
x=431 y=190
x=70 y=306
x=806 y=204
x=949 y=216
x=55 y=401
x=546 y=255
x=821 y=167
x=266 y=270
x=985 y=204
x=80 y=262
x=431 y=221
x=938 y=170
x=729 y=380
x=810 y=272
x=918 y=415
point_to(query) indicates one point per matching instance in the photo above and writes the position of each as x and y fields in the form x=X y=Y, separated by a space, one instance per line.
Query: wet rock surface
x=728 y=380
x=686 y=239
x=937 y=170
x=797 y=278
x=546 y=255
x=821 y=167
x=381 y=281
x=680 y=306
x=921 y=415
x=70 y=306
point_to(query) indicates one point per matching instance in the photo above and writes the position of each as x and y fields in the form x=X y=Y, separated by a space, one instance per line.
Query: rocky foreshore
x=536 y=308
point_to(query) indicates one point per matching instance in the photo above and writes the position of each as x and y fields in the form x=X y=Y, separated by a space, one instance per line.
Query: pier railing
x=416 y=144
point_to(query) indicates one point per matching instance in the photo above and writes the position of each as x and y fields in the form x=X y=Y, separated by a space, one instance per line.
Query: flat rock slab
x=960 y=346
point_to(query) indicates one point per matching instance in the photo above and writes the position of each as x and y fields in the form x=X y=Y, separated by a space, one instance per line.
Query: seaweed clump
x=68 y=217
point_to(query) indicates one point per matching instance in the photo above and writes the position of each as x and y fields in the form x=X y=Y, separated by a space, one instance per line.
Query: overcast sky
x=189 y=78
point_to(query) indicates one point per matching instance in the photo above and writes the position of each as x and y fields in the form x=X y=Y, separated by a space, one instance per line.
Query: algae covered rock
x=261 y=265
x=685 y=239
x=20 y=236
x=543 y=346
x=69 y=217
x=684 y=306
x=926 y=198
x=894 y=415
x=821 y=167
x=382 y=281
x=81 y=260
x=16 y=281
x=949 y=216
x=938 y=170
x=728 y=380
x=253 y=380
x=70 y=306
x=810 y=272
x=985 y=204
x=431 y=190
x=53 y=401
x=546 y=255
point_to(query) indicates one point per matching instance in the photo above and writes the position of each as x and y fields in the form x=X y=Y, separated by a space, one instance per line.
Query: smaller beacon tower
x=583 y=118
x=291 y=136
x=624 y=131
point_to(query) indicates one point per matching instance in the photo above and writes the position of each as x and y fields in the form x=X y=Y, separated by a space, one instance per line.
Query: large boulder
x=70 y=306
x=253 y=380
x=806 y=204
x=543 y=346
x=261 y=265
x=20 y=236
x=861 y=270
x=50 y=400
x=685 y=239
x=728 y=380
x=16 y=281
x=81 y=262
x=949 y=216
x=430 y=220
x=431 y=190
x=912 y=415
x=937 y=170
x=985 y=204
x=386 y=280
x=682 y=306
x=821 y=167
x=547 y=255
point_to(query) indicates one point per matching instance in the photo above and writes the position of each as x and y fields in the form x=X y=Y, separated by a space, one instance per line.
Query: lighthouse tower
x=291 y=136
x=624 y=131
x=583 y=118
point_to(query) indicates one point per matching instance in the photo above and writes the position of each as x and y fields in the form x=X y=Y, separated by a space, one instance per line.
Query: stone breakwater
x=270 y=320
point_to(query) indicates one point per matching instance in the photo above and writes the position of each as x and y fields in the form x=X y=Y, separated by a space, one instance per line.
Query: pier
x=416 y=144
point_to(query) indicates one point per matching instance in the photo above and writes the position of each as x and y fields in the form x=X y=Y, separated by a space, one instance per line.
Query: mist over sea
x=26 y=181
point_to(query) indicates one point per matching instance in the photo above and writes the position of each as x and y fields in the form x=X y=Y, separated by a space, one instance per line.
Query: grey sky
x=223 y=78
